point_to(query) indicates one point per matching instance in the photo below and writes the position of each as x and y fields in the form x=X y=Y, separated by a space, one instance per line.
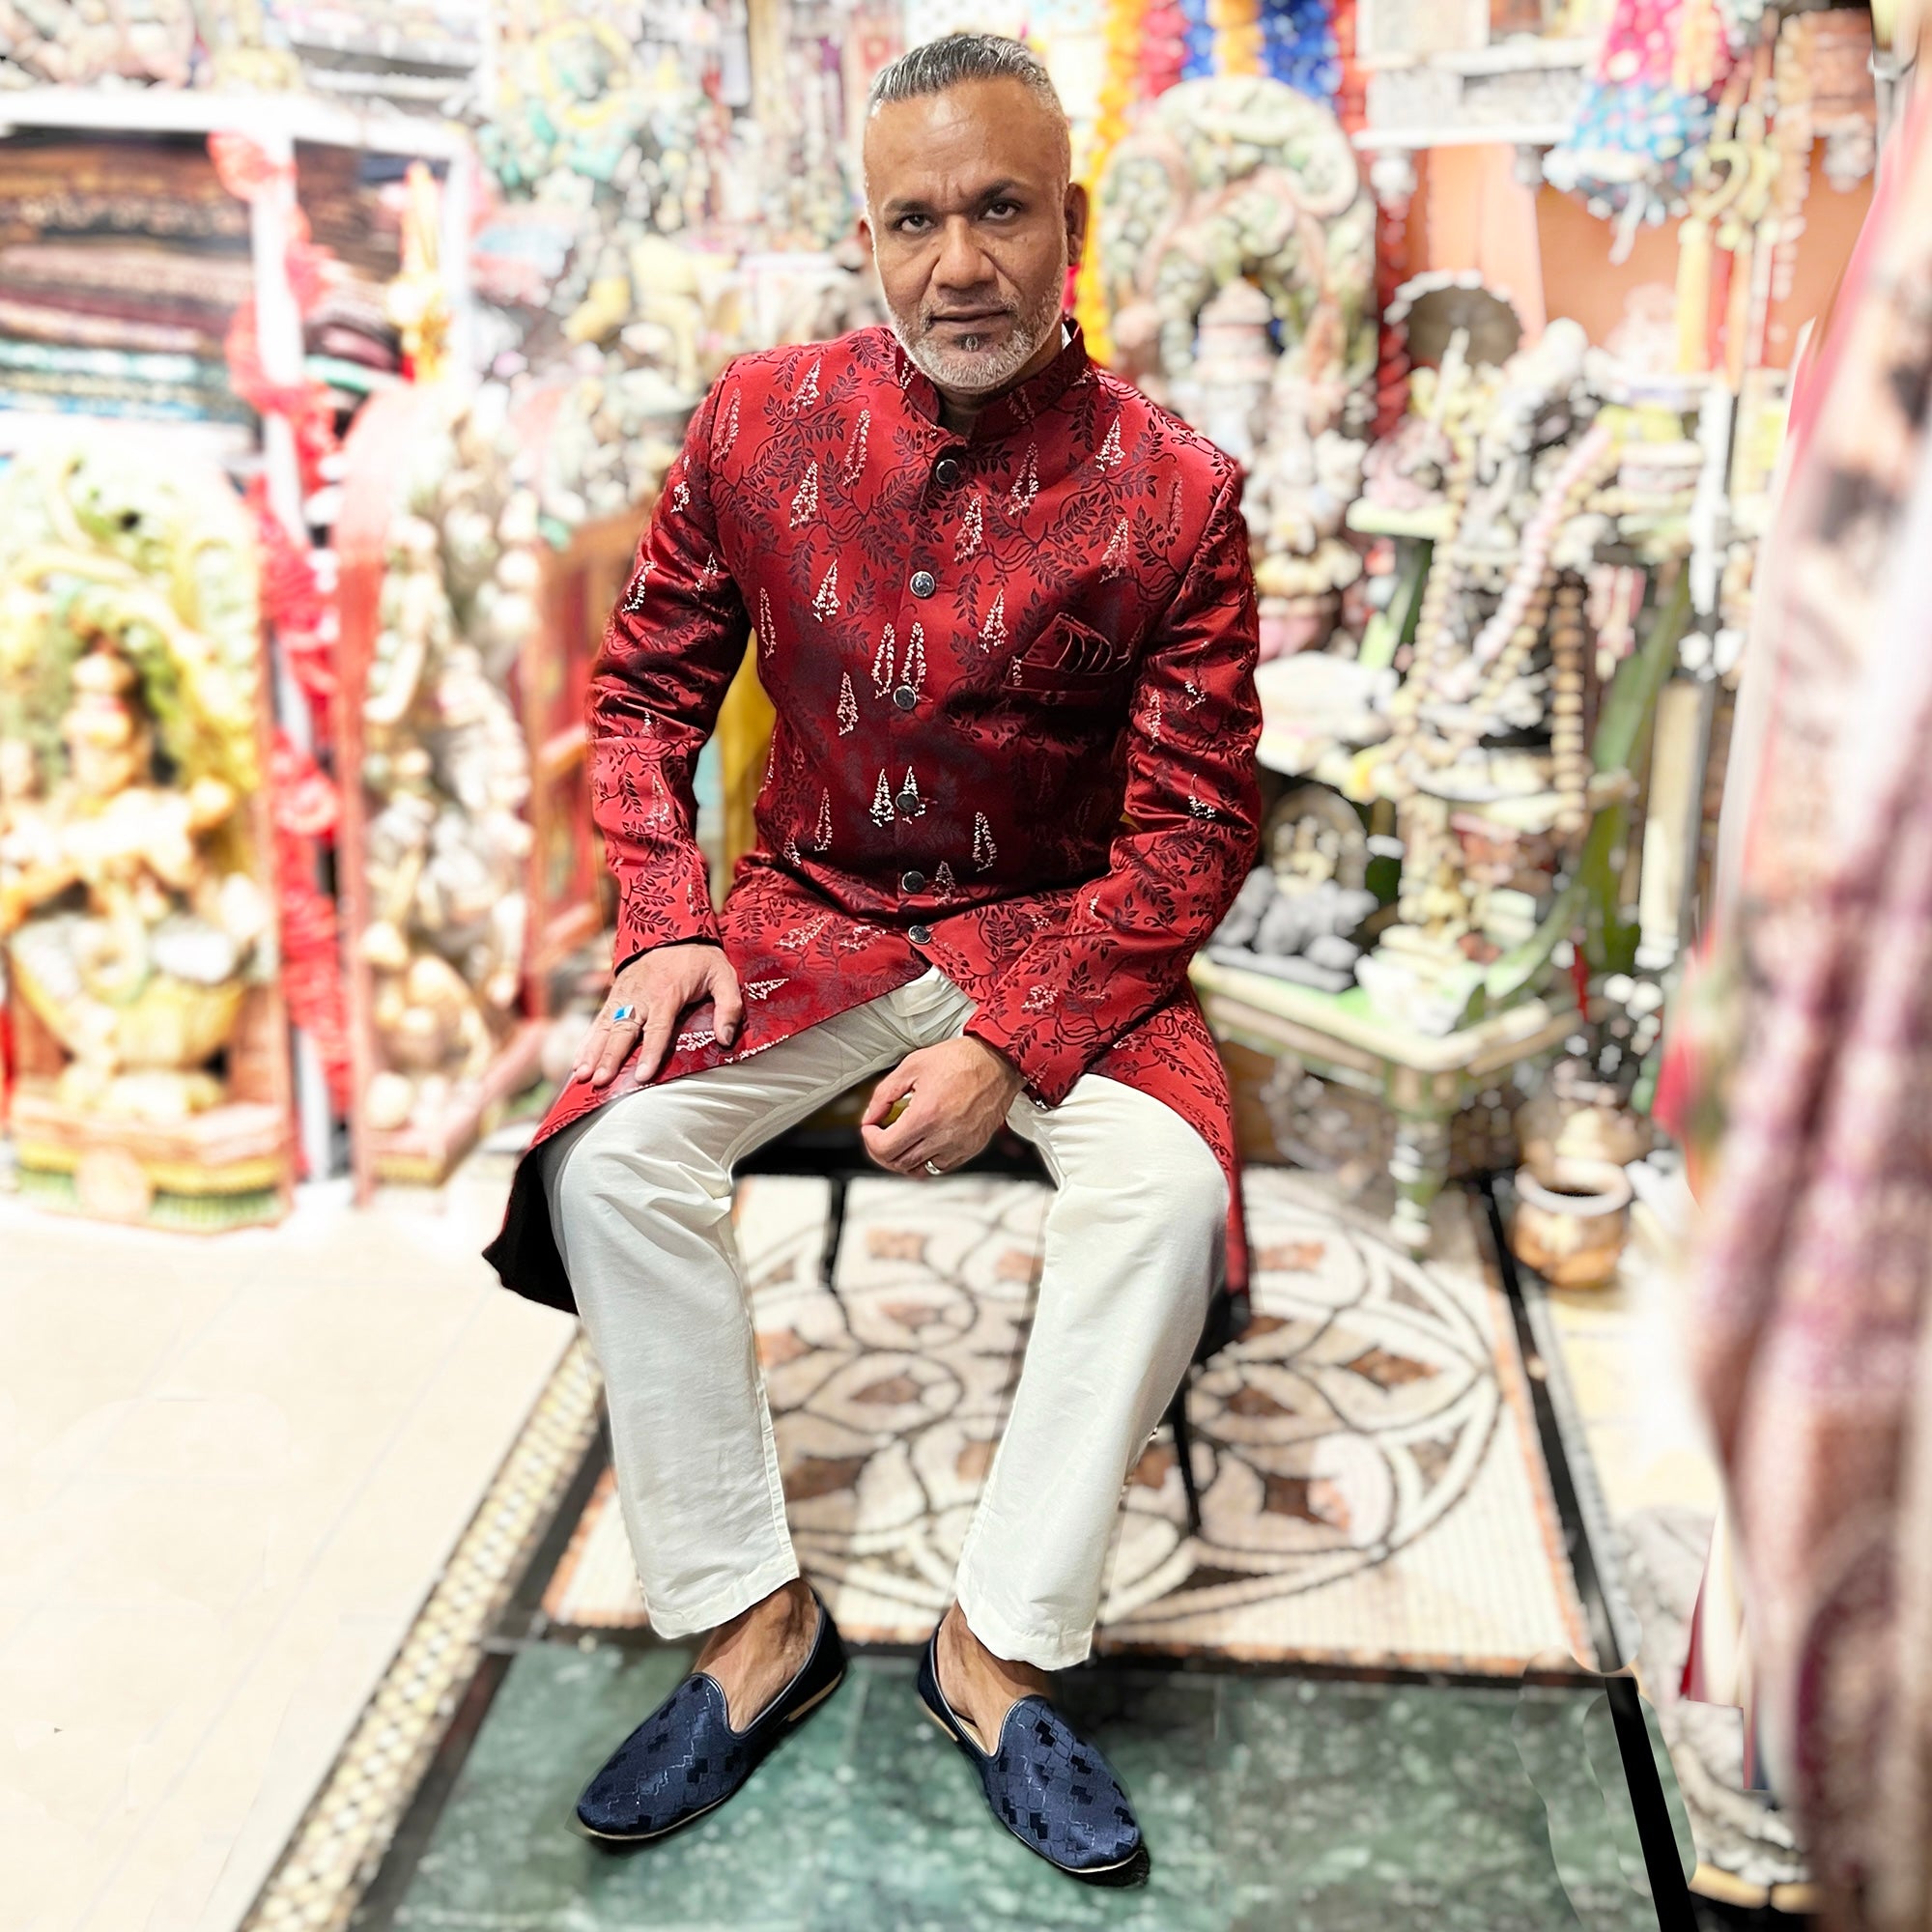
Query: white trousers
x=641 y=1201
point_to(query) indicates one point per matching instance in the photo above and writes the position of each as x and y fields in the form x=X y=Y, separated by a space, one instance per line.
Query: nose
x=962 y=263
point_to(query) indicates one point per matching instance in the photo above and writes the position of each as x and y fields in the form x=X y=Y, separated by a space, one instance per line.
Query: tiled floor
x=1372 y=1485
x=1268 y=1803
x=230 y=1470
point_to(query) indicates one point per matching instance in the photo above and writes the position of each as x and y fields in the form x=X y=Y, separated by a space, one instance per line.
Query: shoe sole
x=582 y=1830
x=1127 y=1871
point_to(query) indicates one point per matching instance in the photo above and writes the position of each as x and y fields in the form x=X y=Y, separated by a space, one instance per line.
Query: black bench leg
x=1183 y=1449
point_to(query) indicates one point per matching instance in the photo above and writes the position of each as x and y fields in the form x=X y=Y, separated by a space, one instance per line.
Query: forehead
x=936 y=147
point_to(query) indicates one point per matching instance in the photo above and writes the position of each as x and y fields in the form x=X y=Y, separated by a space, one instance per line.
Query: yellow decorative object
x=1237 y=35
x=416 y=301
x=128 y=660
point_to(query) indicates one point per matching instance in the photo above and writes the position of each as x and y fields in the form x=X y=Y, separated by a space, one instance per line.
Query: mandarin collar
x=1015 y=408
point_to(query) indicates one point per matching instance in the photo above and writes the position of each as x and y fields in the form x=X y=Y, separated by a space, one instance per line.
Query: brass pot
x=1571 y=1228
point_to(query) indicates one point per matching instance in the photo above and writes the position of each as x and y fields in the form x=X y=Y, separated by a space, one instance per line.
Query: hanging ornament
x=1118 y=91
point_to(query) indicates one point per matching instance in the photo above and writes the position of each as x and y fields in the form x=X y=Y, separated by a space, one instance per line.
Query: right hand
x=659 y=987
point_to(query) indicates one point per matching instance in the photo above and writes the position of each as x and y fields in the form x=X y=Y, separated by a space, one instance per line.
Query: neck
x=959 y=410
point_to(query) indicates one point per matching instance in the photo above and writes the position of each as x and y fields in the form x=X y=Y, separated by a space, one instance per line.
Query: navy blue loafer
x=685 y=1759
x=1049 y=1787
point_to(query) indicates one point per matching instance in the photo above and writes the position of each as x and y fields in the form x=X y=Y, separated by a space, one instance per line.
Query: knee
x=641 y=1173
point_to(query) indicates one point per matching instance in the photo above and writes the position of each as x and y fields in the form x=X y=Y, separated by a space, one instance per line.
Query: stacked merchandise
x=415 y=55
x=73 y=43
x=351 y=201
x=123 y=262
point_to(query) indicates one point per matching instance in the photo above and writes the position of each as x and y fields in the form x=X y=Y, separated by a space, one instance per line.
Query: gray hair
x=955 y=59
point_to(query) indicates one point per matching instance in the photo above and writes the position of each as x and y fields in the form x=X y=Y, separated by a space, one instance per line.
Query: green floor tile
x=1268 y=1803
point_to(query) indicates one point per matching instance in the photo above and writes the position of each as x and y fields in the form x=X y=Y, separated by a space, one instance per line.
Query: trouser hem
x=1018 y=1640
x=722 y=1605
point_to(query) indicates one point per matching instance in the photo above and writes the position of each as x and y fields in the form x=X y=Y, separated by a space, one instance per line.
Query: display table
x=1422 y=1081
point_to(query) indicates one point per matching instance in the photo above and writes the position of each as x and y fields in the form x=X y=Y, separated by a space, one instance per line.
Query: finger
x=619 y=1042
x=658 y=1030
x=591 y=1051
x=727 y=1002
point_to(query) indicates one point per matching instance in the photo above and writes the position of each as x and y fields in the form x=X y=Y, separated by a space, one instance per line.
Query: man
x=1003 y=606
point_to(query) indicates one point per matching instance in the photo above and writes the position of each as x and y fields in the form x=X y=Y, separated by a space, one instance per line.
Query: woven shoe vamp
x=681 y=1759
x=1056 y=1792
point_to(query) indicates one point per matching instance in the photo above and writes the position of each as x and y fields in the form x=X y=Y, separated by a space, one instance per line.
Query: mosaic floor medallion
x=1372 y=1492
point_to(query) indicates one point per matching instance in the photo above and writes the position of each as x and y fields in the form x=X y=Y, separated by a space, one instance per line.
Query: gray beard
x=976 y=375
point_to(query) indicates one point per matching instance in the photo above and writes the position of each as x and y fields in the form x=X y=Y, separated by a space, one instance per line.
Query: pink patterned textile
x=1812 y=1324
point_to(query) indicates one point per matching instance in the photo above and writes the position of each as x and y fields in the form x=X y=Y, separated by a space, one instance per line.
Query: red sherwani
x=1016 y=723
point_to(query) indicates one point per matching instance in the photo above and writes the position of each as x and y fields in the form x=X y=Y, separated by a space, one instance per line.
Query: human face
x=971 y=222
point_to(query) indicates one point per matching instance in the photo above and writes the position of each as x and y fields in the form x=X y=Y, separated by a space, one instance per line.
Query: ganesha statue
x=1235 y=242
x=130 y=908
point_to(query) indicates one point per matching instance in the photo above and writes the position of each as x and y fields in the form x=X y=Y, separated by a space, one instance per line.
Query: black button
x=921 y=935
x=905 y=698
x=924 y=583
x=908 y=803
x=912 y=882
x=945 y=471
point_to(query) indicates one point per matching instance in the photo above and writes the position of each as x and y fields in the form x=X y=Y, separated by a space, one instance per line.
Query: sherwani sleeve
x=669 y=652
x=1189 y=837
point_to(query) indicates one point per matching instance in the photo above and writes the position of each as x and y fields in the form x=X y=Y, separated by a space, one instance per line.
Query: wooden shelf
x=272 y=119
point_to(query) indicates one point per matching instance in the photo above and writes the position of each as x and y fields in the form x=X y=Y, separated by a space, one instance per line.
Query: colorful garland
x=1298 y=47
x=1237 y=35
x=1200 y=62
x=1120 y=90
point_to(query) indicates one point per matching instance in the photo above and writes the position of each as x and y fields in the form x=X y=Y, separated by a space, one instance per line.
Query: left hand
x=956 y=1094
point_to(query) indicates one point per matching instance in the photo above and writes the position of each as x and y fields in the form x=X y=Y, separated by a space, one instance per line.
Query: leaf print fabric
x=1062 y=846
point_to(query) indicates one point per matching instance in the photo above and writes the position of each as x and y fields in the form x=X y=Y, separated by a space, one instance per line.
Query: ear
x=864 y=233
x=1076 y=221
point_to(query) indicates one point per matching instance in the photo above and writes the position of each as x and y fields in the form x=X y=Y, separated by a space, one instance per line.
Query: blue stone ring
x=1048 y=1786
x=624 y=1016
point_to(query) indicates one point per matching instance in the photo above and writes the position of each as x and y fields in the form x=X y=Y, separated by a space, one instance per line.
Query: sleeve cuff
x=1048 y=1067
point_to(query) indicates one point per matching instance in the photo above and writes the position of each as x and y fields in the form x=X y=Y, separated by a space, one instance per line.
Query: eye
x=913 y=224
x=1002 y=210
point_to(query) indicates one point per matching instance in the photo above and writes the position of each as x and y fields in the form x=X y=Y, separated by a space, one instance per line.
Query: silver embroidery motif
x=970 y=530
x=1026 y=485
x=826 y=603
x=993 y=631
x=882 y=802
x=849 y=707
x=883 y=663
x=805 y=500
x=855 y=457
x=985 y=851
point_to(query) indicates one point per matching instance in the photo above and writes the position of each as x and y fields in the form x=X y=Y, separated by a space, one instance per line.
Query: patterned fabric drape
x=1812 y=1324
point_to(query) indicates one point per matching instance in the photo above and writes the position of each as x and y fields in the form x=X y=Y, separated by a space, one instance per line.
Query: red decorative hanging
x=303 y=808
